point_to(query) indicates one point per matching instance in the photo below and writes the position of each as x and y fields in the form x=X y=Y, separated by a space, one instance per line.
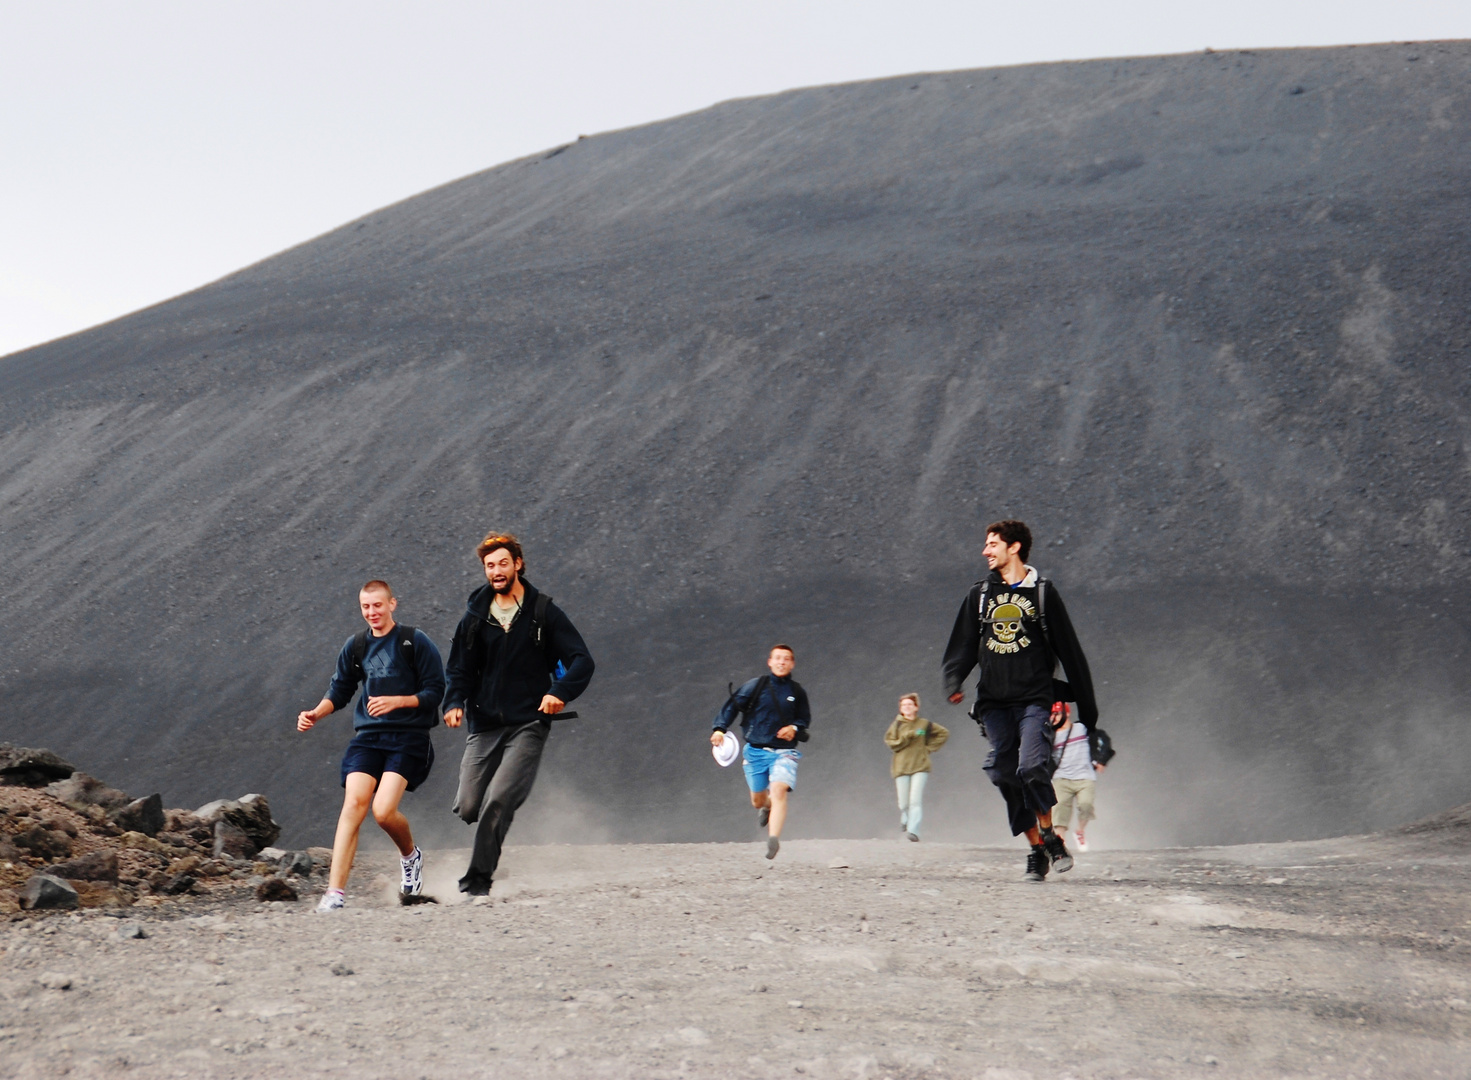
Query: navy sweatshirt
x=389 y=672
x=500 y=676
x=783 y=702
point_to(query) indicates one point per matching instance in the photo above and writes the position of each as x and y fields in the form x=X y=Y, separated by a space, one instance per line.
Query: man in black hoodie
x=1013 y=626
x=515 y=662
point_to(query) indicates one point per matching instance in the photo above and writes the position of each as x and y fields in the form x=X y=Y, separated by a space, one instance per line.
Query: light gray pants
x=910 y=790
x=496 y=775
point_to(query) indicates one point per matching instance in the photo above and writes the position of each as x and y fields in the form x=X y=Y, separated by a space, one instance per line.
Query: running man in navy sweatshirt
x=775 y=716
x=403 y=684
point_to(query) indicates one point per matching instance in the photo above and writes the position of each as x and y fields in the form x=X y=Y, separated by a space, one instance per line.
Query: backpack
x=538 y=624
x=745 y=710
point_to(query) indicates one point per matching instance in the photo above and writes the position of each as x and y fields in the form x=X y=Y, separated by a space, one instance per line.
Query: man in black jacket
x=1013 y=626
x=515 y=662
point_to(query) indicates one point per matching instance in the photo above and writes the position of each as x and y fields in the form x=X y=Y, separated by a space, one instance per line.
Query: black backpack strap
x=406 y=643
x=539 y=619
x=359 y=650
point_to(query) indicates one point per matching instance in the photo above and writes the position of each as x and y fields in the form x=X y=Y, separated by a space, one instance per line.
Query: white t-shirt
x=1070 y=751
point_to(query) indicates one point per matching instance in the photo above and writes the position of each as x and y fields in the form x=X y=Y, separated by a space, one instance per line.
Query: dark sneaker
x=1037 y=864
x=763 y=816
x=773 y=845
x=912 y=836
x=1057 y=851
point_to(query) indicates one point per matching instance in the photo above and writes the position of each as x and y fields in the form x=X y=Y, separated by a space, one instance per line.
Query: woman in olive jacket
x=912 y=738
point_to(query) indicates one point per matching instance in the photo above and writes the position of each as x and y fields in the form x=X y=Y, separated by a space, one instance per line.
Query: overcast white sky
x=151 y=146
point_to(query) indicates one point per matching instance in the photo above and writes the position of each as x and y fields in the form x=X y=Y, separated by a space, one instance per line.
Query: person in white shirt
x=1076 y=774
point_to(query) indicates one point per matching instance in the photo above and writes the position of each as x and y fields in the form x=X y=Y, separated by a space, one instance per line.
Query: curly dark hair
x=1013 y=532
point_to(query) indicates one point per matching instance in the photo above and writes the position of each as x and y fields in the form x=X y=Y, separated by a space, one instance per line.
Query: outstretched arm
x=1065 y=647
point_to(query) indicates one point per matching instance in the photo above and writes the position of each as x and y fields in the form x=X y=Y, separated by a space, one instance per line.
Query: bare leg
x=386 y=812
x=778 y=808
x=760 y=799
x=356 y=801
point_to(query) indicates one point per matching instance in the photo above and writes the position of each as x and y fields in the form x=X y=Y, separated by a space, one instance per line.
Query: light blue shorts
x=765 y=767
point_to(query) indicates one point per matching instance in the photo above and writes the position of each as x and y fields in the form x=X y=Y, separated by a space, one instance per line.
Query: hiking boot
x=763 y=816
x=1057 y=851
x=412 y=882
x=1037 y=864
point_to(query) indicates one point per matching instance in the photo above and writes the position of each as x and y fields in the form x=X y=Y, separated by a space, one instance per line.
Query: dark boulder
x=273 y=888
x=232 y=841
x=175 y=884
x=296 y=862
x=44 y=843
x=79 y=791
x=249 y=813
x=45 y=892
x=23 y=767
x=93 y=866
x=141 y=815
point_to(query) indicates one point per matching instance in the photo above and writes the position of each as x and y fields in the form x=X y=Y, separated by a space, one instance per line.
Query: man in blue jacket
x=775 y=718
x=515 y=662
x=403 y=682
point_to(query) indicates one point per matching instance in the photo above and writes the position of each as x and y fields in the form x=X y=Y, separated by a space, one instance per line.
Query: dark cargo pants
x=1020 y=761
x=496 y=775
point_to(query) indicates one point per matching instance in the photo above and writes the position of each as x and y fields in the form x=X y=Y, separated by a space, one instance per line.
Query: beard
x=502 y=586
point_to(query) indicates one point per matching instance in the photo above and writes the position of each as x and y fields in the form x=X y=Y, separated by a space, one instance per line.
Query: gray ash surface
x=764 y=371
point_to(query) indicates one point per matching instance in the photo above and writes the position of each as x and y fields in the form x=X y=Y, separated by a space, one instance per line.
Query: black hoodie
x=500 y=676
x=1016 y=659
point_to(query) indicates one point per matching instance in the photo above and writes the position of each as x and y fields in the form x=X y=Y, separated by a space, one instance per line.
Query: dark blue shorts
x=408 y=753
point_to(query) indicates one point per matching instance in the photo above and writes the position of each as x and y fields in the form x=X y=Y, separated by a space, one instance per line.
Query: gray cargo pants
x=496 y=775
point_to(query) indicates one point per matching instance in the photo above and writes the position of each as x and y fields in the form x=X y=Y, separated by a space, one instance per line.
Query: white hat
x=728 y=750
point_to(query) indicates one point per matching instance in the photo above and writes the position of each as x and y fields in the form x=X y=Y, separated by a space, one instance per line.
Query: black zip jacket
x=1016 y=660
x=500 y=676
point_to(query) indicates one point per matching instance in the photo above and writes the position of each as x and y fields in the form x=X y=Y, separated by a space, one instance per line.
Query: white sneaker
x=1082 y=844
x=332 y=900
x=413 y=874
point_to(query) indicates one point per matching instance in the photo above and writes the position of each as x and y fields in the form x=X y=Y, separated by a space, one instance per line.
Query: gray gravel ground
x=859 y=959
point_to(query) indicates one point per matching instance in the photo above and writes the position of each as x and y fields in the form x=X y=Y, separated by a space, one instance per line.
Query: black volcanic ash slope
x=763 y=371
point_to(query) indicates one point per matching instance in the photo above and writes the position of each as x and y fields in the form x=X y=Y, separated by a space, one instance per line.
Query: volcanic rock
x=140 y=841
x=22 y=767
x=80 y=791
x=296 y=862
x=231 y=841
x=45 y=892
x=174 y=884
x=44 y=843
x=249 y=813
x=143 y=815
x=275 y=889
x=93 y=866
